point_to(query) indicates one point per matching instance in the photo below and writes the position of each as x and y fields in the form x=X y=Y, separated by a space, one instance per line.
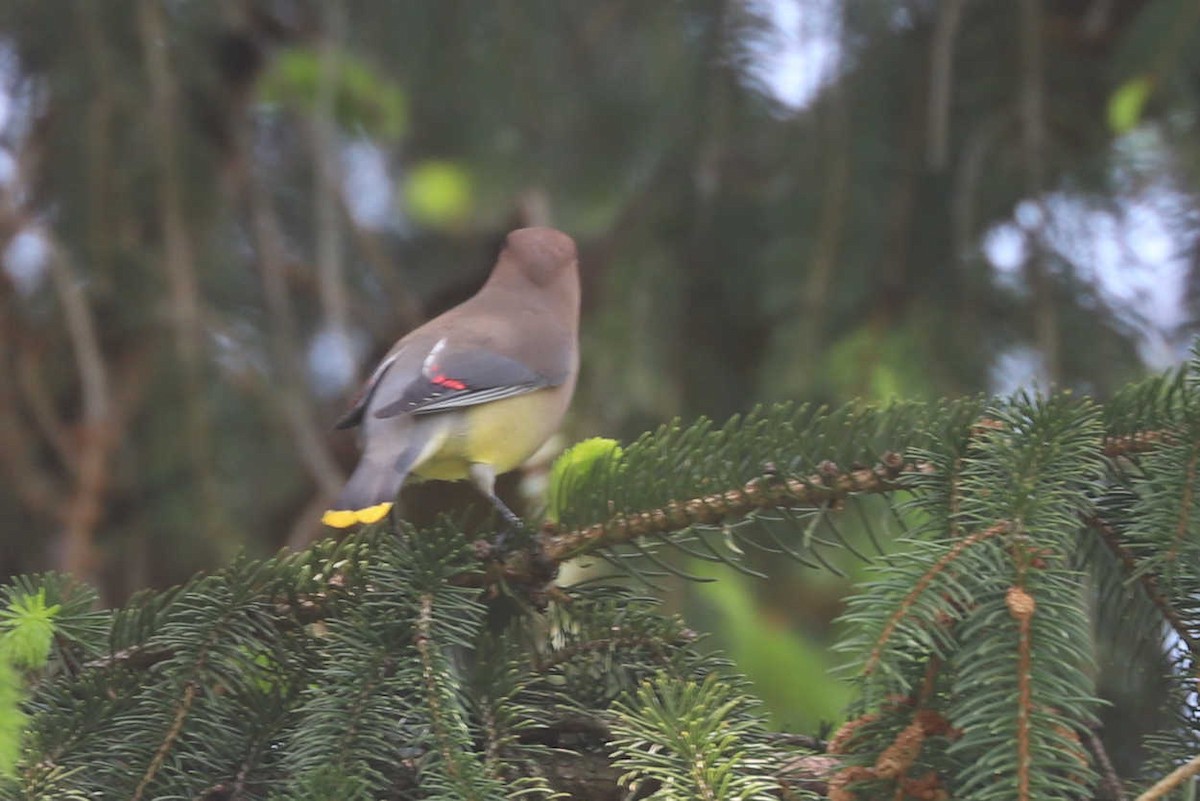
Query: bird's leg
x=483 y=476
x=509 y=515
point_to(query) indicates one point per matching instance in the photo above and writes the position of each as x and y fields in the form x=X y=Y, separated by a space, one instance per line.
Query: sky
x=803 y=51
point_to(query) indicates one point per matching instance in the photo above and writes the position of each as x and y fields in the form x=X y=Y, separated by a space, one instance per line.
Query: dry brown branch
x=36 y=487
x=89 y=446
x=95 y=435
x=1110 y=783
x=40 y=403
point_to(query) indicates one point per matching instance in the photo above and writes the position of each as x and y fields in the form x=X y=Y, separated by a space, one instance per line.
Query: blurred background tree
x=215 y=215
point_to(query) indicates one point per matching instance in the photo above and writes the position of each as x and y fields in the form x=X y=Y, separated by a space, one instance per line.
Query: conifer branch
x=1134 y=443
x=1021 y=606
x=1185 y=507
x=932 y=669
x=366 y=689
x=823 y=488
x=569 y=652
x=829 y=486
x=922 y=585
x=135 y=657
x=492 y=742
x=895 y=760
x=1148 y=582
x=183 y=707
x=898 y=743
x=160 y=755
x=429 y=673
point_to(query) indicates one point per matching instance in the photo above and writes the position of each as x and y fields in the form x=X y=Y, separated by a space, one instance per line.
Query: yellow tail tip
x=345 y=518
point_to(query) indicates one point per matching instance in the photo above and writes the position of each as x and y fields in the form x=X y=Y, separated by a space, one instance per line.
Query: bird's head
x=544 y=256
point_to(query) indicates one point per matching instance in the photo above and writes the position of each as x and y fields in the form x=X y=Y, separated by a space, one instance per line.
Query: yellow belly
x=503 y=434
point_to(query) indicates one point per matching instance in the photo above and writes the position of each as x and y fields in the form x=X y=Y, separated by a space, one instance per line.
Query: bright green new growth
x=574 y=466
x=26 y=628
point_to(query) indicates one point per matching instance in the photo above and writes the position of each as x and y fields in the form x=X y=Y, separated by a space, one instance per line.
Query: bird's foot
x=513 y=526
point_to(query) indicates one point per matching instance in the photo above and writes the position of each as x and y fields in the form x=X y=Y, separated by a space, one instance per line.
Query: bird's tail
x=367 y=496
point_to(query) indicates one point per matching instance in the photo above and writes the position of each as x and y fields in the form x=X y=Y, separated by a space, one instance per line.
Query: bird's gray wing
x=455 y=377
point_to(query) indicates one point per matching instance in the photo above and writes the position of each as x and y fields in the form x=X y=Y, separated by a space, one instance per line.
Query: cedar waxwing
x=474 y=392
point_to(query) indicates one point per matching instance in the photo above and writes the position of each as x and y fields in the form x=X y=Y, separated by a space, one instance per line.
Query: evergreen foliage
x=1027 y=536
x=687 y=737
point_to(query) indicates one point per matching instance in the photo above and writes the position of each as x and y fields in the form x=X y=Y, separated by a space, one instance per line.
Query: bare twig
x=405 y=310
x=1032 y=96
x=1172 y=780
x=977 y=148
x=1109 y=781
x=941 y=80
x=1148 y=582
x=306 y=527
x=1033 y=143
x=835 y=203
x=179 y=258
x=326 y=206
x=179 y=261
x=291 y=396
x=103 y=196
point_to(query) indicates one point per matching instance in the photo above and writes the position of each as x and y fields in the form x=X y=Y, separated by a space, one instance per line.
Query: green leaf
x=1125 y=106
x=439 y=193
x=363 y=98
